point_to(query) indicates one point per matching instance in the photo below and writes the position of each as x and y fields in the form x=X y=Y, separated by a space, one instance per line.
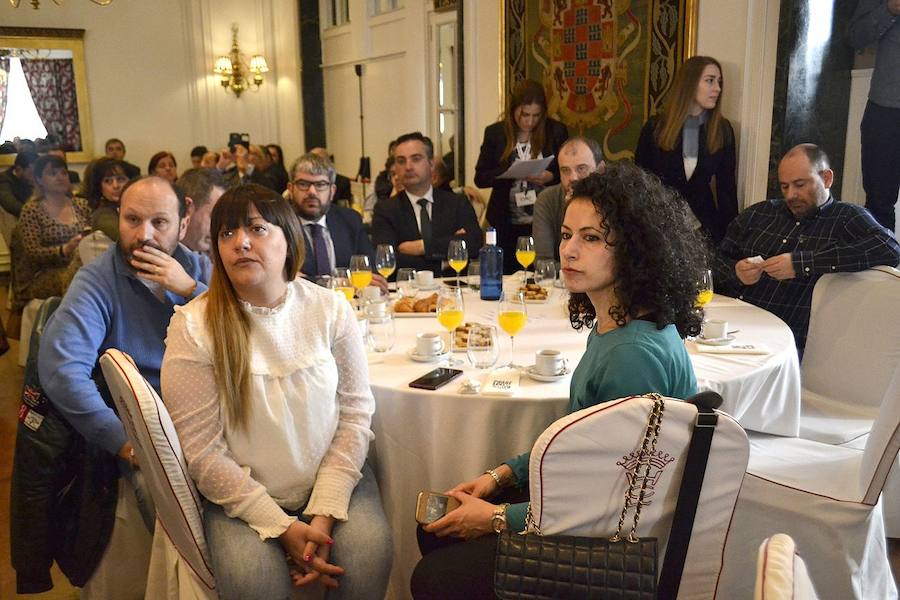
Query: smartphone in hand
x=431 y=506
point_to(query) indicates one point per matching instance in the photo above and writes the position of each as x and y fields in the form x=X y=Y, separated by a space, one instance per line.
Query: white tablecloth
x=433 y=440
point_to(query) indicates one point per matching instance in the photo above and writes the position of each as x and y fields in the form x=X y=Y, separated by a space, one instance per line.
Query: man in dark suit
x=343 y=194
x=420 y=221
x=332 y=233
x=115 y=148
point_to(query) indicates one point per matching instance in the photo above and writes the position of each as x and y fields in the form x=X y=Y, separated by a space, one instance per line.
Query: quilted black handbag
x=533 y=566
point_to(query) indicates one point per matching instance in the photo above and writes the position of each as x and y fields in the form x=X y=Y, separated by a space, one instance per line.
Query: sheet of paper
x=526 y=168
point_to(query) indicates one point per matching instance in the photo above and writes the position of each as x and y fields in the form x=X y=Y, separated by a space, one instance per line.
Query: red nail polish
x=330 y=541
x=307 y=558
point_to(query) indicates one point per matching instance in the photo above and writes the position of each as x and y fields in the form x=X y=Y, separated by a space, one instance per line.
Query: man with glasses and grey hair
x=333 y=233
x=578 y=157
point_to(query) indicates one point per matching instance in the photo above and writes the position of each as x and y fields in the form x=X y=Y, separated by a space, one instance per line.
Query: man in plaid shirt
x=775 y=251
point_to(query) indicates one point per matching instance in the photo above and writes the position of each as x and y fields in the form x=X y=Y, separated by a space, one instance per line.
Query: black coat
x=714 y=212
x=394 y=222
x=64 y=491
x=489 y=166
x=348 y=235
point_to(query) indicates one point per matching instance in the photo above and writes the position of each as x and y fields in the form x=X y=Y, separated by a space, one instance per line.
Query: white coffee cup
x=713 y=329
x=549 y=362
x=370 y=293
x=424 y=279
x=376 y=308
x=429 y=344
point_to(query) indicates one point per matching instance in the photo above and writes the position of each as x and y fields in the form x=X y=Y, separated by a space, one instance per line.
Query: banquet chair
x=826 y=497
x=579 y=470
x=92 y=246
x=180 y=568
x=780 y=572
x=852 y=349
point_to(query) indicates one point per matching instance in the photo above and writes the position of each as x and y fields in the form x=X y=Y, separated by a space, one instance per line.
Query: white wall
x=148 y=70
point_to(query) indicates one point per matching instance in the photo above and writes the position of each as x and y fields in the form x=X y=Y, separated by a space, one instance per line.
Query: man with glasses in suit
x=333 y=233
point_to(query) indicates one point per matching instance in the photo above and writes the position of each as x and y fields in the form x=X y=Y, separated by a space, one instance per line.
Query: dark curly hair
x=95 y=173
x=658 y=255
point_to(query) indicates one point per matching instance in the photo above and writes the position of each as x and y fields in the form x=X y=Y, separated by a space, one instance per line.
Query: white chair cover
x=780 y=572
x=826 y=498
x=93 y=245
x=29 y=314
x=852 y=349
x=578 y=471
x=180 y=567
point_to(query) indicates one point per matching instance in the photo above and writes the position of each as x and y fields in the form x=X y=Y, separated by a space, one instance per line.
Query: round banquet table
x=432 y=440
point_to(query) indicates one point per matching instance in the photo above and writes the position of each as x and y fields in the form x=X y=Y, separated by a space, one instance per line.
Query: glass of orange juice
x=385 y=260
x=457 y=256
x=340 y=282
x=525 y=254
x=706 y=288
x=360 y=272
x=450 y=314
x=512 y=317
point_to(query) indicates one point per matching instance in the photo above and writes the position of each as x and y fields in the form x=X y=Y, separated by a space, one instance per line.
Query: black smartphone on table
x=434 y=379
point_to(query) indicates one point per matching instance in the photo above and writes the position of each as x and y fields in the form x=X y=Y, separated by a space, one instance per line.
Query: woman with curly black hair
x=632 y=263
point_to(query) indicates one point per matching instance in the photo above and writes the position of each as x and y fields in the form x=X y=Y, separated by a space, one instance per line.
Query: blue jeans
x=247 y=567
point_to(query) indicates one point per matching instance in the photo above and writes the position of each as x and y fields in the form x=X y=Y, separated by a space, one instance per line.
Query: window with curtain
x=18 y=114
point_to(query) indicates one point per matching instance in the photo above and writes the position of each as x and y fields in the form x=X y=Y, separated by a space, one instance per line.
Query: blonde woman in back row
x=266 y=379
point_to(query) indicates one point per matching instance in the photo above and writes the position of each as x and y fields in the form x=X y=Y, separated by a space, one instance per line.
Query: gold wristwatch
x=498 y=519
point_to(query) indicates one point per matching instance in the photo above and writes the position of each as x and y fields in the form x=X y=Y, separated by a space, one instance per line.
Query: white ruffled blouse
x=309 y=429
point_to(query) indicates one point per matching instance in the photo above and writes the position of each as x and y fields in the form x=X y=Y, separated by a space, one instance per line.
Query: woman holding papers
x=524 y=133
x=632 y=261
x=690 y=143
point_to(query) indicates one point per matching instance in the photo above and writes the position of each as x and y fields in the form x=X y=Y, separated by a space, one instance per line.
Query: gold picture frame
x=662 y=35
x=40 y=38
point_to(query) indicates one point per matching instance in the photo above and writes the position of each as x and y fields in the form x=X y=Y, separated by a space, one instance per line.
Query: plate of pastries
x=467 y=331
x=535 y=294
x=411 y=306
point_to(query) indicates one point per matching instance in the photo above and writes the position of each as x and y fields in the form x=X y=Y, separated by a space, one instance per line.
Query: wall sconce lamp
x=233 y=71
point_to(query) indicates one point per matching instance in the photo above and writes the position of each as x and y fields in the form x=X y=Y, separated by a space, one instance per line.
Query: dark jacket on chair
x=64 y=490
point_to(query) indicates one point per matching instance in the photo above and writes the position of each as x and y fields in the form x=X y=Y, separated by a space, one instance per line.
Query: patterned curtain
x=52 y=85
x=4 y=85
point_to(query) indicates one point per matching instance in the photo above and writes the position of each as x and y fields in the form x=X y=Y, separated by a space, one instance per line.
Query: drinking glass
x=450 y=314
x=545 y=273
x=406 y=282
x=483 y=348
x=381 y=333
x=512 y=317
x=525 y=254
x=360 y=271
x=457 y=256
x=473 y=275
x=340 y=282
x=385 y=260
x=706 y=288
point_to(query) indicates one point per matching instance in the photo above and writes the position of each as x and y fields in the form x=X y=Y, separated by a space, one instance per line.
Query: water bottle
x=491 y=258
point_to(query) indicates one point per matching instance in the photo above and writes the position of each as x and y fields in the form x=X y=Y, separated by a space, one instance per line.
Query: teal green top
x=635 y=359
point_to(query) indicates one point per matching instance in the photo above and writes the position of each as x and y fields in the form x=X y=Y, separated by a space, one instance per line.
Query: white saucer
x=722 y=341
x=531 y=372
x=430 y=288
x=411 y=353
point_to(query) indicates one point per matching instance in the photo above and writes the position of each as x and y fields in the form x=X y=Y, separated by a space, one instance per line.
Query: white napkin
x=501 y=382
x=739 y=348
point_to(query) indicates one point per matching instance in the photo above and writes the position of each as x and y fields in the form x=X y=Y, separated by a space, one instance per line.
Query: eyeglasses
x=304 y=185
x=115 y=179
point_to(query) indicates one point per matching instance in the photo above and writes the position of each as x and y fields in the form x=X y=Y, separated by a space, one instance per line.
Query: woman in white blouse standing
x=266 y=379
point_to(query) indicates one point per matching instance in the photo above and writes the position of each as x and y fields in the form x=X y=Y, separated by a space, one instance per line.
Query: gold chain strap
x=648 y=447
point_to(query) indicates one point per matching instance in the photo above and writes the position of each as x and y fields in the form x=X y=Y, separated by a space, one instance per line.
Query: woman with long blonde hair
x=266 y=379
x=690 y=143
x=524 y=132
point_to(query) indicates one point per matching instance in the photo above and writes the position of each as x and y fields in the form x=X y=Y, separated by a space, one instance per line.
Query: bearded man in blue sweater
x=124 y=299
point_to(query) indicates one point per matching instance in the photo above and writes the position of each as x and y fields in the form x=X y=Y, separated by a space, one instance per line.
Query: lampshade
x=258 y=64
x=223 y=66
